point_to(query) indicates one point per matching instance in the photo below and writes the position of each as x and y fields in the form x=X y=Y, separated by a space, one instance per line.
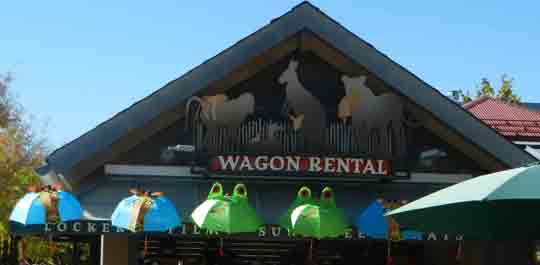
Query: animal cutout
x=213 y=101
x=219 y=111
x=48 y=195
x=304 y=103
x=207 y=104
x=145 y=200
x=376 y=113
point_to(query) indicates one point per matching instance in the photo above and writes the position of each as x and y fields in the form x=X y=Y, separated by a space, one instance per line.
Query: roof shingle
x=510 y=120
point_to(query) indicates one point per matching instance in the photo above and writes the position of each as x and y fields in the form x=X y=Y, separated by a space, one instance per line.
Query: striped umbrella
x=48 y=204
x=145 y=211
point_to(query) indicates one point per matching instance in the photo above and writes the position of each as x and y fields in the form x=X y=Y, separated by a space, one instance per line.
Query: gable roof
x=97 y=142
x=510 y=120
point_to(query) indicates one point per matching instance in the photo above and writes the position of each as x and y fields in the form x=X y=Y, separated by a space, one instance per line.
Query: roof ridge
x=476 y=102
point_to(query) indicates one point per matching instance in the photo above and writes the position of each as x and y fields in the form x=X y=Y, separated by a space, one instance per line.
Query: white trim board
x=142 y=170
x=526 y=143
x=185 y=171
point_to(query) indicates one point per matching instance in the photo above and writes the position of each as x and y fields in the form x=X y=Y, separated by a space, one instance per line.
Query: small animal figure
x=144 y=202
x=304 y=103
x=393 y=228
x=48 y=195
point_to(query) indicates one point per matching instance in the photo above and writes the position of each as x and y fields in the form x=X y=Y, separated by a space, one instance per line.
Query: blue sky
x=77 y=63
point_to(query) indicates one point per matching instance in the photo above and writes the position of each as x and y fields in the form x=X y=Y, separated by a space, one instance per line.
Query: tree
x=459 y=96
x=504 y=93
x=485 y=89
x=21 y=150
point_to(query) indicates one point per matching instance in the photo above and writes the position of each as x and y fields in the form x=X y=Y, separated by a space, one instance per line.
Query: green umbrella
x=319 y=220
x=227 y=214
x=501 y=205
x=303 y=197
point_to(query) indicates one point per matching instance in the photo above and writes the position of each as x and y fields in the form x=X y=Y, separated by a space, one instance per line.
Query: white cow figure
x=227 y=114
x=305 y=104
x=375 y=112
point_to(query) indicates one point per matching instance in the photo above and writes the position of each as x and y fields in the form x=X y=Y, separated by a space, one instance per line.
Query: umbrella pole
x=311 y=255
x=221 y=251
x=145 y=246
x=310 y=250
x=459 y=252
x=22 y=249
x=389 y=259
x=50 y=246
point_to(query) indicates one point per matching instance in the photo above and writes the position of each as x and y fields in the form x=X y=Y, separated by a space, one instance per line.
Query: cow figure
x=217 y=112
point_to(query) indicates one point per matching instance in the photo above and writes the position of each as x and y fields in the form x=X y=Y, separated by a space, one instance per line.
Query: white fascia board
x=529 y=143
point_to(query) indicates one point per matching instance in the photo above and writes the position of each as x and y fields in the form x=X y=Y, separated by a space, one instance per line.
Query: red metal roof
x=511 y=120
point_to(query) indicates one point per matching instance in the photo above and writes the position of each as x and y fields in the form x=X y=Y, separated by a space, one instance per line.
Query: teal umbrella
x=486 y=207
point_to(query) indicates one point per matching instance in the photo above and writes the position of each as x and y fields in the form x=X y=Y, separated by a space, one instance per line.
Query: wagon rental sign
x=299 y=165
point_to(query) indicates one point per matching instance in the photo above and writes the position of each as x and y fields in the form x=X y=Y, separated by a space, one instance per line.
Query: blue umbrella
x=31 y=210
x=373 y=223
x=158 y=213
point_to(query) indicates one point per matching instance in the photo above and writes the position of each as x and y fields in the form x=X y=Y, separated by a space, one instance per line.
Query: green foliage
x=485 y=89
x=460 y=96
x=504 y=93
x=21 y=150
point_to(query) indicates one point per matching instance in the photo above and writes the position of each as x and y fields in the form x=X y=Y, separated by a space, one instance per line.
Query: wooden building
x=302 y=87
